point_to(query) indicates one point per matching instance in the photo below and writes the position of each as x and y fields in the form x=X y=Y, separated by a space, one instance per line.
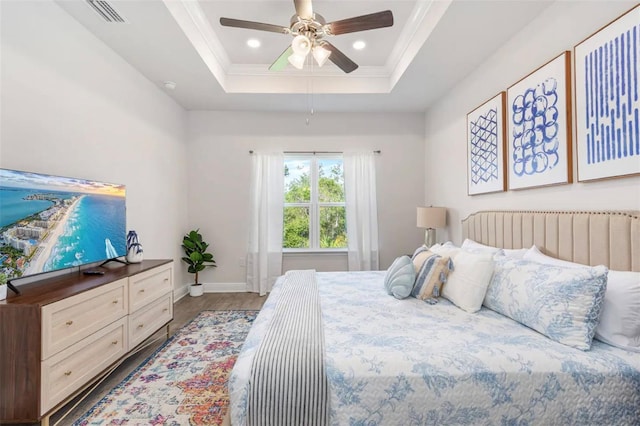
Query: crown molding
x=241 y=78
x=425 y=17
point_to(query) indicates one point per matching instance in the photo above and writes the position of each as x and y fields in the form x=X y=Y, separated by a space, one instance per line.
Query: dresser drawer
x=71 y=320
x=149 y=285
x=146 y=321
x=69 y=370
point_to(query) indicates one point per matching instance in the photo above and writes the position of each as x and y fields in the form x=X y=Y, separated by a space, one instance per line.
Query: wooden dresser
x=61 y=333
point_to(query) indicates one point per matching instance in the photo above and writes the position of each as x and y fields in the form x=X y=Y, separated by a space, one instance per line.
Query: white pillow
x=620 y=318
x=515 y=253
x=467 y=283
x=512 y=253
x=537 y=256
x=475 y=246
x=447 y=249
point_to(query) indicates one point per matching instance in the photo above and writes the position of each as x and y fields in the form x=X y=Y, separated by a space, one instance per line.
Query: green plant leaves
x=195 y=250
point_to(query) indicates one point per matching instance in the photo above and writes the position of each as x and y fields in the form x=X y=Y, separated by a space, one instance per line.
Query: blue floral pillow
x=400 y=277
x=562 y=303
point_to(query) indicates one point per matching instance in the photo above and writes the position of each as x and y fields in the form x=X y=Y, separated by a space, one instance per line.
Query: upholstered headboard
x=610 y=238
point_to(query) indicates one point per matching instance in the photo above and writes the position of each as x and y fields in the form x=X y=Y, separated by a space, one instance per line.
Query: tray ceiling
x=431 y=46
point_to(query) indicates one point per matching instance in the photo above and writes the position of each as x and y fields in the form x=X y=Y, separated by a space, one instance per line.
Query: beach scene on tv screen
x=50 y=222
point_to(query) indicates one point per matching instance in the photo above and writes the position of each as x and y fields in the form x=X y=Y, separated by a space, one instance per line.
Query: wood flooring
x=184 y=310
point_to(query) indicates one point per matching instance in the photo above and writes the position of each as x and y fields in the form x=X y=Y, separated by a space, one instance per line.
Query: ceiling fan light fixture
x=359 y=45
x=301 y=45
x=297 y=60
x=253 y=43
x=309 y=30
x=320 y=54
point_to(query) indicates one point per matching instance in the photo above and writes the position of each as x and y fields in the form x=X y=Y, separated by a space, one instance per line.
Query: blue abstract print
x=611 y=119
x=535 y=129
x=484 y=147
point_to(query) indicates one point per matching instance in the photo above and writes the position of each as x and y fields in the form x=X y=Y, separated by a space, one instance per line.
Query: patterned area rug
x=185 y=381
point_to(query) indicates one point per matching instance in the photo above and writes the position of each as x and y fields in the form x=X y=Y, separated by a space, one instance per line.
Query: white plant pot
x=3 y=292
x=196 y=290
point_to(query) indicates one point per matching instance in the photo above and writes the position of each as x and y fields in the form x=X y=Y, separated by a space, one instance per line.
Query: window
x=314 y=204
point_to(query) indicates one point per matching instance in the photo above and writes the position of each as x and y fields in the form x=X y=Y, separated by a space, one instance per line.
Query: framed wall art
x=539 y=127
x=485 y=147
x=607 y=106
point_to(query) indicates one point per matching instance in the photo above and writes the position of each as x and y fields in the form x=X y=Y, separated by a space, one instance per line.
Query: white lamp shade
x=321 y=55
x=431 y=217
x=301 y=45
x=297 y=60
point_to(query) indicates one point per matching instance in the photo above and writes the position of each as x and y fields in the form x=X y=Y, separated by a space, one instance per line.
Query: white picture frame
x=539 y=127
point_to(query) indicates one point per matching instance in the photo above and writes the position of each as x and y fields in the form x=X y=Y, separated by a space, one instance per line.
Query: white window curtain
x=264 y=256
x=362 y=211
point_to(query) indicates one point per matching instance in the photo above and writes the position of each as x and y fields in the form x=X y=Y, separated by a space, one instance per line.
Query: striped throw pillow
x=432 y=270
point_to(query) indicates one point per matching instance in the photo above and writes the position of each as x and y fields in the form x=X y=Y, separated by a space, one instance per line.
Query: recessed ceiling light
x=254 y=43
x=359 y=45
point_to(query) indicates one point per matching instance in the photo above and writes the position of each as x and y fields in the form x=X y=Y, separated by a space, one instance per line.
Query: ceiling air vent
x=106 y=11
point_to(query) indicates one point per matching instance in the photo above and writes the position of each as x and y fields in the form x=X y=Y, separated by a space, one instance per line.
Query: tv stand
x=12 y=287
x=115 y=259
x=63 y=333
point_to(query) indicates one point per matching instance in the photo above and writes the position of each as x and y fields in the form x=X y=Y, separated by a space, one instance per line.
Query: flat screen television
x=49 y=223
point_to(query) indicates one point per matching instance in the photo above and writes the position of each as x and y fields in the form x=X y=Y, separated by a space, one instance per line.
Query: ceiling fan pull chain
x=310 y=89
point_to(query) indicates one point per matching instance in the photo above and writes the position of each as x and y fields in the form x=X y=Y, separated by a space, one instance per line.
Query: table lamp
x=431 y=218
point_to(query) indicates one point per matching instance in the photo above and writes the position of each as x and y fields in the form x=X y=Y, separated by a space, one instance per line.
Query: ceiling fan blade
x=282 y=61
x=304 y=9
x=339 y=58
x=361 y=23
x=239 y=23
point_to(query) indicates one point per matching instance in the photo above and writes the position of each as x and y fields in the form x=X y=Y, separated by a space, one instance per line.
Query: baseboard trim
x=180 y=292
x=225 y=287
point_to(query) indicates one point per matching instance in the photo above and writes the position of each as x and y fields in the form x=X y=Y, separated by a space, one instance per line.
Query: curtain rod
x=377 y=151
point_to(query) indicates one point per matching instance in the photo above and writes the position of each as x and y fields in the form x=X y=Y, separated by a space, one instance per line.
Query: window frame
x=314 y=204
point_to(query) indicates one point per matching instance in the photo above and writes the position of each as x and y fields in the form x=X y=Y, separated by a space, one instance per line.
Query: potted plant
x=197 y=258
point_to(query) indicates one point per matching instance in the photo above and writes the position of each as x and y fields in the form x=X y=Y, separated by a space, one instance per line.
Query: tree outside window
x=314 y=203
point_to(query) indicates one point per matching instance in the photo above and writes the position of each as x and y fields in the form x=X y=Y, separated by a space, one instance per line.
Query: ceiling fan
x=309 y=30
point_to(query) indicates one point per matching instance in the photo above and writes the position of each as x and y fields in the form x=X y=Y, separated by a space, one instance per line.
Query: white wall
x=72 y=107
x=558 y=28
x=220 y=169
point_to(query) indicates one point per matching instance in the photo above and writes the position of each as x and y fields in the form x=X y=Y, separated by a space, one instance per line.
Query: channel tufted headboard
x=610 y=238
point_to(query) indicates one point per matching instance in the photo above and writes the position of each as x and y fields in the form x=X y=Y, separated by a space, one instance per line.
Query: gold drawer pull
x=166 y=279
x=140 y=325
x=67 y=373
x=165 y=309
x=115 y=342
x=115 y=302
x=69 y=322
x=142 y=290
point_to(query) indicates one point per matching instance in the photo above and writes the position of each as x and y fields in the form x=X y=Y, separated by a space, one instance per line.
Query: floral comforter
x=405 y=362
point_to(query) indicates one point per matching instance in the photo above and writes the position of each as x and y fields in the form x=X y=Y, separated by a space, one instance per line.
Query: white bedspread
x=405 y=362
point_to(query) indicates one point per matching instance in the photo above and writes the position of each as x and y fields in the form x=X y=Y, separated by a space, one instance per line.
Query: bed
x=383 y=361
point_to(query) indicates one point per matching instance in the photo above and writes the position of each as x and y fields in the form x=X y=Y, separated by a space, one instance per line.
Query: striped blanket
x=288 y=385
